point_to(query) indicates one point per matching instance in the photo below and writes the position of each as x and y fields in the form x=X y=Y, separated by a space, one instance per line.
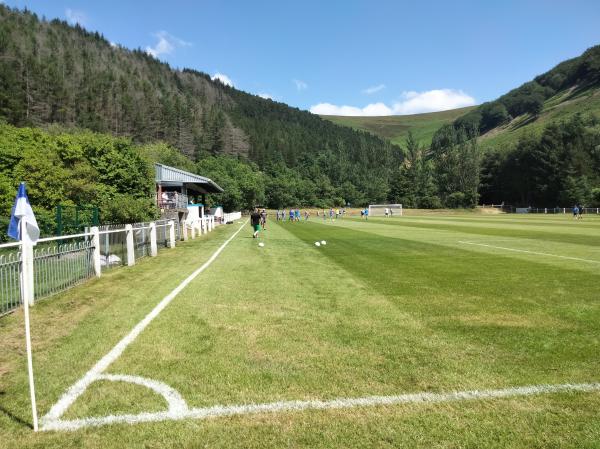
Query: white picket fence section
x=198 y=227
x=232 y=216
x=540 y=210
x=58 y=263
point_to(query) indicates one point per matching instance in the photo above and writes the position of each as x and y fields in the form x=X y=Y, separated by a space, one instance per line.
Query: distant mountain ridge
x=396 y=127
x=571 y=87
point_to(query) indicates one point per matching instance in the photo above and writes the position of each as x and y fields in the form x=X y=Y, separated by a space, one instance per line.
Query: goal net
x=379 y=210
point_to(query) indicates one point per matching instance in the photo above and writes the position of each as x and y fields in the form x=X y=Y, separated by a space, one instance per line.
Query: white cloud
x=373 y=89
x=75 y=17
x=432 y=101
x=374 y=109
x=223 y=78
x=166 y=44
x=412 y=103
x=300 y=85
x=265 y=96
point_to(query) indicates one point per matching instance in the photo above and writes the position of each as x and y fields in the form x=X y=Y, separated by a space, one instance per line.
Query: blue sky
x=350 y=57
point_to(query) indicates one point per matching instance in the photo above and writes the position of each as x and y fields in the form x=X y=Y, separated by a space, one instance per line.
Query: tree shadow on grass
x=11 y=415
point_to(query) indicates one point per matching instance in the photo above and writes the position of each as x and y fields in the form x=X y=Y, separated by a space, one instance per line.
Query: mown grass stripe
x=580 y=239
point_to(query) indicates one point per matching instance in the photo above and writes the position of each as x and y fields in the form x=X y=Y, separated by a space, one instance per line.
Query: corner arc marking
x=174 y=400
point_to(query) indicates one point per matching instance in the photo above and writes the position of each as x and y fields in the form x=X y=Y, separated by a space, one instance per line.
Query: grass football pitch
x=438 y=331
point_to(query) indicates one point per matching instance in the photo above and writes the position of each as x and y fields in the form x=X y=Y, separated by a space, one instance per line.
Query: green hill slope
x=541 y=140
x=560 y=107
x=572 y=87
x=395 y=127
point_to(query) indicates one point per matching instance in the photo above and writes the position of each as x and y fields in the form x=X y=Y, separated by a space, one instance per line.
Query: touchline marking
x=69 y=397
x=530 y=252
x=292 y=406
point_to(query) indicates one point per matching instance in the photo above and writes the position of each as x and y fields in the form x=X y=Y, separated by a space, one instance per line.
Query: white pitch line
x=175 y=402
x=530 y=252
x=69 y=397
x=292 y=406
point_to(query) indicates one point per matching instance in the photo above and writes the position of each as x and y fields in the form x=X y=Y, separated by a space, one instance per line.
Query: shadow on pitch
x=12 y=416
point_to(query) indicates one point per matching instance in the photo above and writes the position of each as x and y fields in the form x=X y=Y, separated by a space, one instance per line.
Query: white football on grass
x=317 y=244
x=261 y=244
x=323 y=242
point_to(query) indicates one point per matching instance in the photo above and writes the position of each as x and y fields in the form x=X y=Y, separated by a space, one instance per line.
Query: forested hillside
x=541 y=141
x=53 y=73
x=569 y=82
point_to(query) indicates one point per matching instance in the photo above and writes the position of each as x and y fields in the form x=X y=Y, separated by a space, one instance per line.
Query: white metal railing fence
x=55 y=264
x=557 y=210
x=162 y=233
x=141 y=239
x=198 y=226
x=232 y=216
x=113 y=246
x=10 y=263
x=540 y=210
x=591 y=210
x=59 y=266
x=58 y=263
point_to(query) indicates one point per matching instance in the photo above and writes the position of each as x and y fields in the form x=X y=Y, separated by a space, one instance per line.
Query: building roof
x=171 y=176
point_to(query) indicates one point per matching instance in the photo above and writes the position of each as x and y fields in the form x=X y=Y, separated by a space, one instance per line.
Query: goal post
x=379 y=210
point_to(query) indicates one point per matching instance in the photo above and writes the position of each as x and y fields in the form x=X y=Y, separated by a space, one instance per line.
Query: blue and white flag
x=22 y=211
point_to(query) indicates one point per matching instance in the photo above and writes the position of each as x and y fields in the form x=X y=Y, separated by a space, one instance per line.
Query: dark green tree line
x=559 y=168
x=82 y=168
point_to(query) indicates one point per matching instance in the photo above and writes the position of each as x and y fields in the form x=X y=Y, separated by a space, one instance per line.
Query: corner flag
x=22 y=211
x=23 y=226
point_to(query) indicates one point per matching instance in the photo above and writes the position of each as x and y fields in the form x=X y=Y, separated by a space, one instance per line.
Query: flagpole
x=25 y=302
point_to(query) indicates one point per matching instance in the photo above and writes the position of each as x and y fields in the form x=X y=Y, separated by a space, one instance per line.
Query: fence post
x=153 y=249
x=96 y=255
x=184 y=230
x=27 y=285
x=171 y=234
x=130 y=245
